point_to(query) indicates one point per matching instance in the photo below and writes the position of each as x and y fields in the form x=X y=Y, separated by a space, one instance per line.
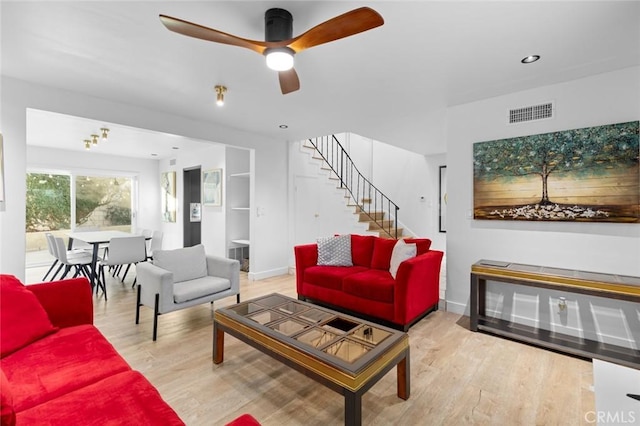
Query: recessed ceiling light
x=154 y=155
x=283 y=126
x=530 y=59
x=174 y=147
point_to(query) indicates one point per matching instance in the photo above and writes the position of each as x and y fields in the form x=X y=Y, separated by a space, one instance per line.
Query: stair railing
x=367 y=198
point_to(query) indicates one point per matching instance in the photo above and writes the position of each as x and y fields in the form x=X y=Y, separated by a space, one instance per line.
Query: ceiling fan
x=279 y=46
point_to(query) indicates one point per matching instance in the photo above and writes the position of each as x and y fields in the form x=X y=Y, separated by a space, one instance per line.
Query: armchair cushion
x=186 y=263
x=23 y=320
x=200 y=287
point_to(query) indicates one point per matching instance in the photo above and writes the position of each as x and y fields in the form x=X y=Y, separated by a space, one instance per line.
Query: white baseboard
x=257 y=276
x=456 y=308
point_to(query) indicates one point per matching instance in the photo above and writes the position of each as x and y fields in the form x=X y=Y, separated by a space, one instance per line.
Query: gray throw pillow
x=335 y=251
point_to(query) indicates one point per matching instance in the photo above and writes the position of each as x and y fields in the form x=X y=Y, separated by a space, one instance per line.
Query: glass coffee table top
x=314 y=329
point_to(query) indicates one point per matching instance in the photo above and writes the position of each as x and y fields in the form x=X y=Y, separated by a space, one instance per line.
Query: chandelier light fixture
x=220 y=91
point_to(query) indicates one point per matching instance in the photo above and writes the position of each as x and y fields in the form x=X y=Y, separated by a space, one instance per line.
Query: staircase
x=368 y=202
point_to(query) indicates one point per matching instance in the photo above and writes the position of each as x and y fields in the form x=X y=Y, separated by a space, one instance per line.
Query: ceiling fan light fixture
x=220 y=91
x=279 y=58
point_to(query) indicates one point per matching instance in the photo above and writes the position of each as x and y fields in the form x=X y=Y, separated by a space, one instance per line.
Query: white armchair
x=181 y=278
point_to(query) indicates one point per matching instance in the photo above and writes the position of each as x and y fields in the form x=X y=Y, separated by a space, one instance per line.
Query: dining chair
x=122 y=251
x=156 y=244
x=52 y=252
x=80 y=262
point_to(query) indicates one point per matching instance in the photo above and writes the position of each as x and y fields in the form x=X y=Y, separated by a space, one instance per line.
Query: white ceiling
x=392 y=83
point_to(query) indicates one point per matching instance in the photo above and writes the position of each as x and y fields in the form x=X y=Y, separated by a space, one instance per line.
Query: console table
x=591 y=283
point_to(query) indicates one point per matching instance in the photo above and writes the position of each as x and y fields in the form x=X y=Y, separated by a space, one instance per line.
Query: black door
x=191 y=195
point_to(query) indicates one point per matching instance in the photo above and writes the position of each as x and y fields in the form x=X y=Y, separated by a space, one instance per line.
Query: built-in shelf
x=241 y=242
x=240 y=208
x=239 y=175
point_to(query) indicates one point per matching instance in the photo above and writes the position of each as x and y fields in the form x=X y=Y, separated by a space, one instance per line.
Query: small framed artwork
x=442 y=201
x=212 y=187
x=168 y=196
x=194 y=212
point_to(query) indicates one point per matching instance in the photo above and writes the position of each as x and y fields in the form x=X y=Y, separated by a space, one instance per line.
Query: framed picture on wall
x=442 y=201
x=212 y=187
x=168 y=196
x=194 y=212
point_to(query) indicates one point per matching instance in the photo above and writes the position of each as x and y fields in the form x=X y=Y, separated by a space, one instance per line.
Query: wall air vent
x=531 y=113
x=172 y=162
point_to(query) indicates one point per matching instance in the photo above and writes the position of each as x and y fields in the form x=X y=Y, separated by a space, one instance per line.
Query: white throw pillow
x=401 y=252
x=335 y=251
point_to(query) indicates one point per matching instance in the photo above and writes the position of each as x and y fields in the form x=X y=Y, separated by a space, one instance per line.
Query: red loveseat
x=367 y=289
x=56 y=368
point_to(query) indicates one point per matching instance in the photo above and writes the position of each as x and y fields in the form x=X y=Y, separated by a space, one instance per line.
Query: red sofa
x=367 y=289
x=56 y=368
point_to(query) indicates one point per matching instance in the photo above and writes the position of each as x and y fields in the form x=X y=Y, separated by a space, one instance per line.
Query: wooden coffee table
x=344 y=353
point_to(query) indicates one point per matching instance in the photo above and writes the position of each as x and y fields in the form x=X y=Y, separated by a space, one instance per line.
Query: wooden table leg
x=352 y=408
x=404 y=377
x=218 y=344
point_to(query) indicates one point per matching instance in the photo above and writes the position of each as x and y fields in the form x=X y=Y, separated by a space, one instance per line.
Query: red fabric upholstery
x=125 y=398
x=330 y=276
x=72 y=375
x=374 y=292
x=60 y=363
x=244 y=420
x=68 y=302
x=22 y=318
x=361 y=249
x=7 y=412
x=381 y=257
x=372 y=284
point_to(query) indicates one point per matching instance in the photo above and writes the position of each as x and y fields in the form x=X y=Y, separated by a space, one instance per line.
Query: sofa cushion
x=186 y=263
x=382 y=249
x=422 y=244
x=201 y=287
x=7 y=412
x=330 y=276
x=362 y=249
x=401 y=252
x=60 y=363
x=119 y=399
x=23 y=320
x=335 y=251
x=373 y=284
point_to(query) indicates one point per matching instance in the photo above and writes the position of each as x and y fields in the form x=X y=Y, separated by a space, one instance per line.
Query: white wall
x=271 y=248
x=603 y=247
x=146 y=172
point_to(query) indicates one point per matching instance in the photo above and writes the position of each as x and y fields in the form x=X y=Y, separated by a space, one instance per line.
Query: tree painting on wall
x=588 y=174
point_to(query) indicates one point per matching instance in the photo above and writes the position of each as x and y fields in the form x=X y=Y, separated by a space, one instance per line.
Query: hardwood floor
x=457 y=377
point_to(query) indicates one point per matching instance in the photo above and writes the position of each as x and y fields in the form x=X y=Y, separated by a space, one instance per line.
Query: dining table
x=95 y=238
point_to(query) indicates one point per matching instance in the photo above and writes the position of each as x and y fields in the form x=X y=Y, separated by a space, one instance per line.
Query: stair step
x=364 y=217
x=376 y=226
x=383 y=234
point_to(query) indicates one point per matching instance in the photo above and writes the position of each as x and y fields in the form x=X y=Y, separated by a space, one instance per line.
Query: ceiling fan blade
x=289 y=81
x=345 y=25
x=198 y=31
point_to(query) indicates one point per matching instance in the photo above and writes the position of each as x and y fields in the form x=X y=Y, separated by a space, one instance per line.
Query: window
x=60 y=202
